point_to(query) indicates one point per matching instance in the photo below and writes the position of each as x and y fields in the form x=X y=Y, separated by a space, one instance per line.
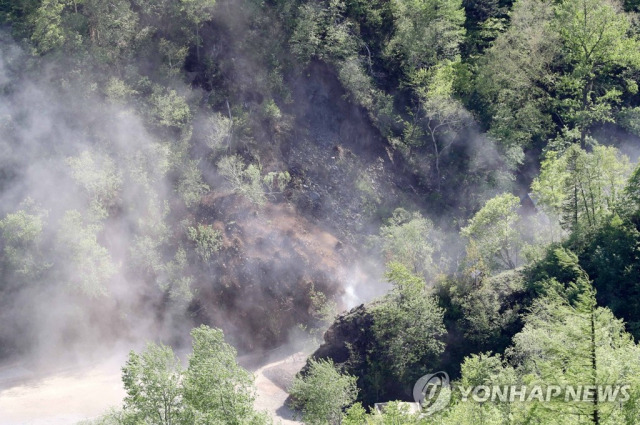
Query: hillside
x=438 y=184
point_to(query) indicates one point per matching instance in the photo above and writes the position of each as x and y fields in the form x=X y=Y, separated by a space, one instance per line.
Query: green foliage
x=249 y=181
x=323 y=309
x=538 y=75
x=393 y=413
x=118 y=91
x=515 y=75
x=100 y=180
x=323 y=32
x=494 y=231
x=191 y=187
x=306 y=39
x=485 y=311
x=216 y=388
x=427 y=32
x=629 y=119
x=444 y=116
x=174 y=280
x=270 y=111
x=48 y=32
x=597 y=38
x=89 y=263
x=409 y=321
x=206 y=239
x=174 y=56
x=113 y=29
x=355 y=415
x=566 y=340
x=112 y=417
x=169 y=108
x=218 y=131
x=13 y=12
x=153 y=234
x=213 y=388
x=197 y=11
x=22 y=240
x=152 y=382
x=582 y=188
x=322 y=393
x=411 y=240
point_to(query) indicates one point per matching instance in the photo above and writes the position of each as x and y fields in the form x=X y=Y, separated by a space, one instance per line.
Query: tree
x=152 y=382
x=568 y=340
x=322 y=393
x=439 y=115
x=191 y=186
x=582 y=188
x=169 y=108
x=516 y=76
x=485 y=312
x=213 y=389
x=426 y=32
x=445 y=116
x=598 y=42
x=22 y=238
x=89 y=266
x=410 y=239
x=112 y=28
x=632 y=192
x=13 y=12
x=174 y=281
x=495 y=233
x=409 y=321
x=48 y=33
x=206 y=239
x=216 y=388
x=485 y=20
x=484 y=369
x=249 y=181
x=218 y=131
x=197 y=12
x=99 y=179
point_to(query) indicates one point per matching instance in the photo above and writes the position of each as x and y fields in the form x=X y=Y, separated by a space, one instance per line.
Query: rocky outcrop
x=353 y=347
x=348 y=336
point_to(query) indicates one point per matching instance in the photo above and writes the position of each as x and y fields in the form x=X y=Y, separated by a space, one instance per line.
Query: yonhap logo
x=432 y=392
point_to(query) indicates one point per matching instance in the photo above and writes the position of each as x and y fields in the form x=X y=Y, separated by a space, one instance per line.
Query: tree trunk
x=594 y=370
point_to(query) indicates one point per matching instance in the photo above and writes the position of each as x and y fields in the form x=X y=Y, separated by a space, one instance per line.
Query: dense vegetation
x=482 y=150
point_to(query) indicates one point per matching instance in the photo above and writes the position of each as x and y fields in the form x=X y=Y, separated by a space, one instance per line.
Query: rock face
x=353 y=347
x=348 y=336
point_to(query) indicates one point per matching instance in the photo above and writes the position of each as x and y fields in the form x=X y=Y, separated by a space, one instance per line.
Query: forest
x=405 y=186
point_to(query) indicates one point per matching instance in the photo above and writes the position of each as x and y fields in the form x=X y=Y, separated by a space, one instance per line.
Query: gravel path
x=272 y=380
x=62 y=397
x=67 y=396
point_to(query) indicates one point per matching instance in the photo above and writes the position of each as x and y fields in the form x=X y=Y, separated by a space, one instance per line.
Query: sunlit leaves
x=206 y=239
x=495 y=233
x=409 y=321
x=213 y=389
x=412 y=240
x=99 y=178
x=89 y=263
x=427 y=31
x=582 y=187
x=22 y=237
x=322 y=393
x=152 y=382
x=250 y=181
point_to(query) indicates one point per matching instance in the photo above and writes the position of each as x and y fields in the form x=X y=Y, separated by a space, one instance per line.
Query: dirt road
x=66 y=396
